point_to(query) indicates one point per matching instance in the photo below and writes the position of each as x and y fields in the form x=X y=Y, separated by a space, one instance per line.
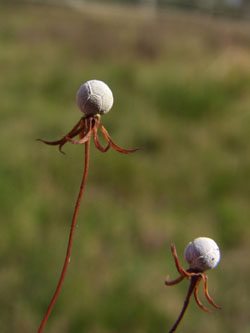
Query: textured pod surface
x=202 y=254
x=94 y=97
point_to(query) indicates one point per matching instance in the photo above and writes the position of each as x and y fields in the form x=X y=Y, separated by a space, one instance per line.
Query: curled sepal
x=205 y=288
x=96 y=139
x=113 y=145
x=75 y=131
x=196 y=296
x=173 y=282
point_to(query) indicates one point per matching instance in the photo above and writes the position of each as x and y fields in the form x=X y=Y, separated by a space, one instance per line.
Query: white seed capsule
x=202 y=254
x=94 y=97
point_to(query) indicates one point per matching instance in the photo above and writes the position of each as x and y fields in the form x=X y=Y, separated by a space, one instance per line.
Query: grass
x=181 y=87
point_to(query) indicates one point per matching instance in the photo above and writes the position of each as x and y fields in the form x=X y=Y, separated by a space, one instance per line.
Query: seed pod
x=202 y=254
x=94 y=97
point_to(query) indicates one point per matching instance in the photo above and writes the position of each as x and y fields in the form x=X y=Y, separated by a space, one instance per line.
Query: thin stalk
x=72 y=229
x=193 y=282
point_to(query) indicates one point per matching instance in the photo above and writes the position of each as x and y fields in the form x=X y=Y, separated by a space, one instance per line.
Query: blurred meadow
x=181 y=84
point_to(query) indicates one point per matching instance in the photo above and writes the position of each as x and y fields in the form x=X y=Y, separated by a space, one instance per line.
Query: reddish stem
x=193 y=282
x=72 y=229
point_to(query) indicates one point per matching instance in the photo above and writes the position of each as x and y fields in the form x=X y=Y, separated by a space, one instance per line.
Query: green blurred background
x=181 y=84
